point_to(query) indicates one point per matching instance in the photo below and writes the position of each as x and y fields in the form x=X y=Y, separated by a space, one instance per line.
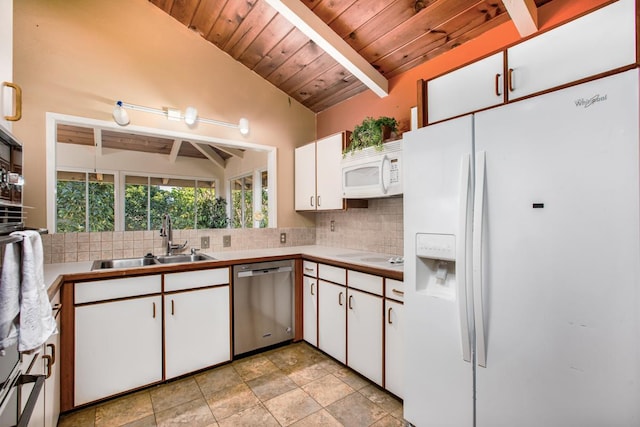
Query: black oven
x=11 y=182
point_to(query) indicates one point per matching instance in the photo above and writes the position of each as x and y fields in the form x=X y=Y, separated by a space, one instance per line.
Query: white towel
x=10 y=296
x=36 y=319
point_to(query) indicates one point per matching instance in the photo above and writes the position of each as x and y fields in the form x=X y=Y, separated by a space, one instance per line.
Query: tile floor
x=295 y=385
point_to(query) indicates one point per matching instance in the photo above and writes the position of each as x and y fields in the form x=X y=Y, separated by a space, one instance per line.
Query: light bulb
x=190 y=116
x=120 y=114
x=244 y=126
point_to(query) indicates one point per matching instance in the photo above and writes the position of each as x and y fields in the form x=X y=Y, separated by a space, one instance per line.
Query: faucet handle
x=194 y=250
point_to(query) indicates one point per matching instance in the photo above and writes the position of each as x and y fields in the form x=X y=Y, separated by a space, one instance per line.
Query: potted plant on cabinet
x=371 y=133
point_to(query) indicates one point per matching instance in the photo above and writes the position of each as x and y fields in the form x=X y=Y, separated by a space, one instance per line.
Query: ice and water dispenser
x=436 y=265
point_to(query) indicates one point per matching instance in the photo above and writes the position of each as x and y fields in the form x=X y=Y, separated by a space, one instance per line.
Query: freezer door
x=560 y=258
x=438 y=380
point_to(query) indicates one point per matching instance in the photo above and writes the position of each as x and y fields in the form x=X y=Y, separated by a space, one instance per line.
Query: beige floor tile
x=217 y=379
x=231 y=400
x=327 y=389
x=149 y=421
x=319 y=418
x=308 y=374
x=330 y=365
x=381 y=398
x=124 y=410
x=271 y=385
x=82 y=418
x=350 y=377
x=252 y=417
x=388 y=421
x=355 y=410
x=254 y=367
x=174 y=393
x=195 y=413
x=292 y=406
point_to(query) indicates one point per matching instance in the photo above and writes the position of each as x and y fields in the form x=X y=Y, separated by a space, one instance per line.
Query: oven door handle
x=23 y=421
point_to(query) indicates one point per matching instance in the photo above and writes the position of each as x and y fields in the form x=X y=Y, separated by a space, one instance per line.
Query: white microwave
x=372 y=173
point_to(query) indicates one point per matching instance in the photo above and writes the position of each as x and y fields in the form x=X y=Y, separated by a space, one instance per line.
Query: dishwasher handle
x=264 y=271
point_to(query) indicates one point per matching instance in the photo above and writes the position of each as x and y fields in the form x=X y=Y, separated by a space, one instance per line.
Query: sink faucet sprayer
x=166 y=232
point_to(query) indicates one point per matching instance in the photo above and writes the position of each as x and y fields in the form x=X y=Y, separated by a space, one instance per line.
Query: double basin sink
x=149 y=260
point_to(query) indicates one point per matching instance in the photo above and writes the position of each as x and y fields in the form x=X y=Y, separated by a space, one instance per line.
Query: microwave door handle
x=384 y=164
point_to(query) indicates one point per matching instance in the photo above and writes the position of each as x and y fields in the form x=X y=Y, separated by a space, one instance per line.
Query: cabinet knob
x=340 y=298
x=312 y=285
x=510 y=80
x=350 y=302
x=389 y=316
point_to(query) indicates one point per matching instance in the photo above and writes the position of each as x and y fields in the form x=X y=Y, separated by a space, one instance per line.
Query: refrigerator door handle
x=461 y=258
x=478 y=217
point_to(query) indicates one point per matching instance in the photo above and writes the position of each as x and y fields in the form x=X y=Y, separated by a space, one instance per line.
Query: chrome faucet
x=166 y=232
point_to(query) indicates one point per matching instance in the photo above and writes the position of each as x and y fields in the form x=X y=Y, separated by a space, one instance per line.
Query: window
x=147 y=199
x=242 y=202
x=85 y=202
x=250 y=209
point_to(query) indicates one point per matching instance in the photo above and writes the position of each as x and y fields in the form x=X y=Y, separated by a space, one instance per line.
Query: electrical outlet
x=333 y=225
x=204 y=242
x=283 y=237
x=226 y=241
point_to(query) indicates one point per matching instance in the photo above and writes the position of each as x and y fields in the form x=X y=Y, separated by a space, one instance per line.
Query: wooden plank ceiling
x=392 y=35
x=119 y=140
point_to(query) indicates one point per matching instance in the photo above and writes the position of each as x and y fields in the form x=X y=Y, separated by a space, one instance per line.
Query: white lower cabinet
x=310 y=310
x=332 y=320
x=394 y=347
x=197 y=330
x=364 y=337
x=118 y=347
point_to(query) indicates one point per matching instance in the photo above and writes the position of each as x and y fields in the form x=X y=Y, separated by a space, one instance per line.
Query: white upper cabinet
x=318 y=184
x=305 y=177
x=599 y=42
x=595 y=43
x=471 y=88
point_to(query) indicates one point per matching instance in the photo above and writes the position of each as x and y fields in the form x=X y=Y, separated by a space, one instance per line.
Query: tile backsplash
x=377 y=228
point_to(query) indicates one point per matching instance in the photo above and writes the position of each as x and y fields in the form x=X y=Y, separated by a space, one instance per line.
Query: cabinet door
x=364 y=338
x=471 y=88
x=118 y=347
x=328 y=175
x=332 y=320
x=394 y=347
x=310 y=310
x=197 y=330
x=52 y=368
x=305 y=177
x=600 y=41
x=6 y=61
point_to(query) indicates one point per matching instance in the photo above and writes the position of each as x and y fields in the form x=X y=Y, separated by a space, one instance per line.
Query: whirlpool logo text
x=588 y=102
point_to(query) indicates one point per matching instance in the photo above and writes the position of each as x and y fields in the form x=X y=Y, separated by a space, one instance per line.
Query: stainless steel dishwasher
x=263 y=305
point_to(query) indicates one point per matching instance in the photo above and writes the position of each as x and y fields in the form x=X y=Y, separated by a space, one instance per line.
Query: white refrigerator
x=522 y=263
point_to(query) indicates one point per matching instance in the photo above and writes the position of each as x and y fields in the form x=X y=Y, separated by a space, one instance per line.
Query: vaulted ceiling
x=392 y=36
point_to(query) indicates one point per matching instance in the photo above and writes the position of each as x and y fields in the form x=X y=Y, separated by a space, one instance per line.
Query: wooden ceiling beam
x=313 y=27
x=175 y=149
x=524 y=15
x=97 y=139
x=209 y=153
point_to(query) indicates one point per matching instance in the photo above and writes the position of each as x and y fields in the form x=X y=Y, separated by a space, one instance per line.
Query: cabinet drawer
x=365 y=282
x=196 y=279
x=310 y=268
x=394 y=289
x=116 y=288
x=332 y=274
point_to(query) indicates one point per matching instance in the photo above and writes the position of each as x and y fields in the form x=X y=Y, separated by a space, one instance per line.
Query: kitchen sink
x=172 y=259
x=124 y=263
x=149 y=260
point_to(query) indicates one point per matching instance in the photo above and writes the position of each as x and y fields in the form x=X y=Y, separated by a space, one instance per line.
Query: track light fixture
x=190 y=116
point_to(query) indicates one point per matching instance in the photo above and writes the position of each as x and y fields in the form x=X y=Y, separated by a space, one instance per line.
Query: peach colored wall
x=78 y=57
x=403 y=88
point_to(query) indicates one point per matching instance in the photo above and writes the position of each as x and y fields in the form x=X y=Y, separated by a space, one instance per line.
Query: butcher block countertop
x=374 y=263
